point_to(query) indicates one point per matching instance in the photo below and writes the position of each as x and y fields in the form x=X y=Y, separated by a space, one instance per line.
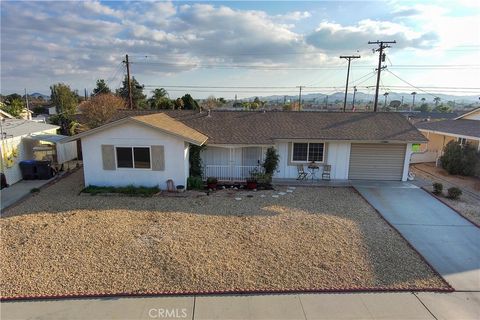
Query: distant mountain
x=36 y=95
x=363 y=97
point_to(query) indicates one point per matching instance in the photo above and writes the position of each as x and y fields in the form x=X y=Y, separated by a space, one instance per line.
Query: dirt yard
x=469 y=203
x=58 y=242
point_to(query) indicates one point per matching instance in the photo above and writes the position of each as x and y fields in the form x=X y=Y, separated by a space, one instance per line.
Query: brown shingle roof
x=255 y=127
x=461 y=127
x=165 y=123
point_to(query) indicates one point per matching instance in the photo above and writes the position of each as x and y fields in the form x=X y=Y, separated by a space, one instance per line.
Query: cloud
x=333 y=37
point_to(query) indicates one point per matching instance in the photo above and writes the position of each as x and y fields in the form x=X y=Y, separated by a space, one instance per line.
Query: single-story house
x=145 y=148
x=464 y=128
x=30 y=140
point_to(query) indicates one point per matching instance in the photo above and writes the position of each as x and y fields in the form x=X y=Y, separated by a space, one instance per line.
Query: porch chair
x=326 y=172
x=302 y=175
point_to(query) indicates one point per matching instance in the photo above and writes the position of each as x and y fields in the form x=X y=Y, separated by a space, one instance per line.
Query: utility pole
x=86 y=94
x=349 y=58
x=381 y=58
x=26 y=99
x=130 y=100
x=353 y=102
x=413 y=100
x=300 y=98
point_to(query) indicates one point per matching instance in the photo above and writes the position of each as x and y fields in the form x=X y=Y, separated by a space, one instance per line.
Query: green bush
x=195 y=160
x=454 y=193
x=128 y=190
x=212 y=180
x=194 y=183
x=437 y=188
x=271 y=161
x=458 y=159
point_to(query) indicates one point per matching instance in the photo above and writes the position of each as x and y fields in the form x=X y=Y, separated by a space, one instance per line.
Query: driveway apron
x=448 y=242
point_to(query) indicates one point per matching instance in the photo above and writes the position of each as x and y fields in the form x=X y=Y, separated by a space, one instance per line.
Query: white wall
x=406 y=164
x=130 y=134
x=337 y=155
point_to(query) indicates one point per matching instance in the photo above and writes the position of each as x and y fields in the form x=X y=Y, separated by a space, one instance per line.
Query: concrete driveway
x=448 y=242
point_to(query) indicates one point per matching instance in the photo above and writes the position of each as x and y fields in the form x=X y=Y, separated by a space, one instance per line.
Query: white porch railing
x=229 y=172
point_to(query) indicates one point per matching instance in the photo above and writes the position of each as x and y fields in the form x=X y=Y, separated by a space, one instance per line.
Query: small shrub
x=194 y=183
x=34 y=190
x=437 y=188
x=271 y=161
x=128 y=190
x=454 y=193
x=212 y=180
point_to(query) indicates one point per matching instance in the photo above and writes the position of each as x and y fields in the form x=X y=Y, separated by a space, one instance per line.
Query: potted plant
x=212 y=183
x=252 y=183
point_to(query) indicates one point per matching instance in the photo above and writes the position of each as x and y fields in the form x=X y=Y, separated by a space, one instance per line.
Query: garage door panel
x=376 y=161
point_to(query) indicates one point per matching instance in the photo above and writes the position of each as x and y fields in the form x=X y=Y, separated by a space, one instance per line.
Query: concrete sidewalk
x=446 y=240
x=460 y=305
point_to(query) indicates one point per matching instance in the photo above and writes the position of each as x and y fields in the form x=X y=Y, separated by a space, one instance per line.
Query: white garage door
x=376 y=161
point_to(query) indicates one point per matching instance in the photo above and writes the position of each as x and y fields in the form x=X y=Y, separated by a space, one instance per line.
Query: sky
x=247 y=48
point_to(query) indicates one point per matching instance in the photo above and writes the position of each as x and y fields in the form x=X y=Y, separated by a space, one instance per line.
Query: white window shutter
x=108 y=157
x=158 y=158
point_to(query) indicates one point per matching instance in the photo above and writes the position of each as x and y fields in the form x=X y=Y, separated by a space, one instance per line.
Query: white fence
x=230 y=172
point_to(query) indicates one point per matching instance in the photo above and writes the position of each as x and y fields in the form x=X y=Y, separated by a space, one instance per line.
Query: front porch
x=232 y=163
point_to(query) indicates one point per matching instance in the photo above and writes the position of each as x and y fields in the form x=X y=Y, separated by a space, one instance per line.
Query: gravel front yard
x=326 y=238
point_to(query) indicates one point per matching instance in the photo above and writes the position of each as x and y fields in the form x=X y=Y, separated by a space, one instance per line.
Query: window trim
x=133 y=157
x=308 y=150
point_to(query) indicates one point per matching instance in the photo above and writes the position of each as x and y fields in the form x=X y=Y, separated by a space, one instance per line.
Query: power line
x=276 y=67
x=411 y=84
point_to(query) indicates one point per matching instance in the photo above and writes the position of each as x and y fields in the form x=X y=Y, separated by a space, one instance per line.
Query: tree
x=101 y=88
x=423 y=108
x=436 y=100
x=413 y=98
x=394 y=104
x=101 y=108
x=178 y=104
x=138 y=98
x=442 y=108
x=458 y=159
x=13 y=106
x=189 y=103
x=210 y=103
x=64 y=99
x=160 y=100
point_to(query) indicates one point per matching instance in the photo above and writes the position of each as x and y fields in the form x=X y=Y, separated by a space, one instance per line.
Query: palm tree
x=437 y=100
x=386 y=95
x=413 y=100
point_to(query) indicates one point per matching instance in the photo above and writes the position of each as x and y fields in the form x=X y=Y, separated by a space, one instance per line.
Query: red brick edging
x=213 y=292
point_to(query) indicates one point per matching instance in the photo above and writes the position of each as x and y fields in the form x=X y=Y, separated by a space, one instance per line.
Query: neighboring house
x=19 y=140
x=464 y=128
x=418 y=116
x=145 y=148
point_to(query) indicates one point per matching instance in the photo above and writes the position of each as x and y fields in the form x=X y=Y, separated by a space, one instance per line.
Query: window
x=133 y=157
x=300 y=151
x=462 y=141
x=307 y=152
x=124 y=158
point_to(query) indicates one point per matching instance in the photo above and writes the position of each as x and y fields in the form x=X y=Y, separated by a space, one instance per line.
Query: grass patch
x=128 y=190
